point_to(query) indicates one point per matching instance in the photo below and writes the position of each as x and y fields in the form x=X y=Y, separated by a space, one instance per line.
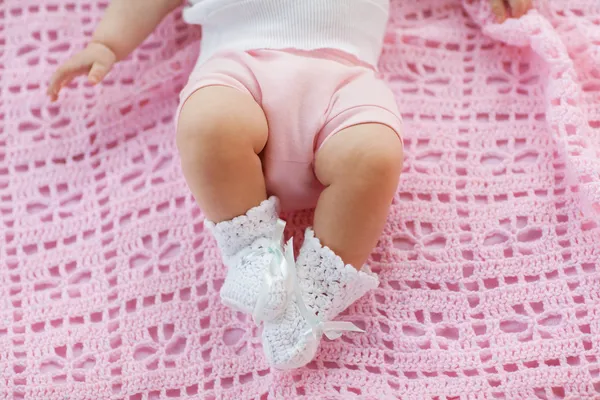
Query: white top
x=354 y=26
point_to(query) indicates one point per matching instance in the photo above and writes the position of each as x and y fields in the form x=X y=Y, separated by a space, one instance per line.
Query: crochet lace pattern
x=489 y=263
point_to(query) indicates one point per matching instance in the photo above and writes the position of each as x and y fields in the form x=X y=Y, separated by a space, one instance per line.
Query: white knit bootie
x=324 y=287
x=252 y=250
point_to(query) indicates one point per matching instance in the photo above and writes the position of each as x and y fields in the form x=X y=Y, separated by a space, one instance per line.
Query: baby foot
x=252 y=250
x=323 y=287
x=256 y=280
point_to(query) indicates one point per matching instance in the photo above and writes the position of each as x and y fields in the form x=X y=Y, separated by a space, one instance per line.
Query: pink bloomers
x=307 y=97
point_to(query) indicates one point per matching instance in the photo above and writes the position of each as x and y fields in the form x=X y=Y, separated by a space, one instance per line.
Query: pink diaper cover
x=307 y=97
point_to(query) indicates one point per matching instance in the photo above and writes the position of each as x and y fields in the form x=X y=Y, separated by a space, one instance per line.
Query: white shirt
x=354 y=26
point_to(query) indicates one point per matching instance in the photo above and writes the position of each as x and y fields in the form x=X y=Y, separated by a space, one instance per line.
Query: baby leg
x=220 y=133
x=360 y=167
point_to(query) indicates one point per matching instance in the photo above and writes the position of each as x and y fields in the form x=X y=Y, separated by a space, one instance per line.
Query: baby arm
x=124 y=26
x=514 y=8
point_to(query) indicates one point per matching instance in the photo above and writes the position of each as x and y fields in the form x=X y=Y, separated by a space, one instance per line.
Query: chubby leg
x=360 y=167
x=220 y=133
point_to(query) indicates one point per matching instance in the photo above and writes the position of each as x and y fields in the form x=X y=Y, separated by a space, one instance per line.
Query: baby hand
x=516 y=8
x=95 y=60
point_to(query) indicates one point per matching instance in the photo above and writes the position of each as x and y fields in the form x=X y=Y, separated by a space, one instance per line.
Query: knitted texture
x=255 y=282
x=244 y=243
x=327 y=287
x=239 y=233
x=306 y=25
x=489 y=263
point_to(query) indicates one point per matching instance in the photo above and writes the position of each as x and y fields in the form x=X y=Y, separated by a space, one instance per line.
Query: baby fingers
x=518 y=8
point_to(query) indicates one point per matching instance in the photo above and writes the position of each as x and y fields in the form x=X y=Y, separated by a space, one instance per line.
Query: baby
x=283 y=102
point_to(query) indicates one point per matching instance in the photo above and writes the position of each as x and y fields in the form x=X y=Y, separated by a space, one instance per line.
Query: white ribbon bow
x=283 y=267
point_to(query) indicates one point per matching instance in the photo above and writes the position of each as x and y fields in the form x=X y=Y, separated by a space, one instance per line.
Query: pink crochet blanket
x=490 y=261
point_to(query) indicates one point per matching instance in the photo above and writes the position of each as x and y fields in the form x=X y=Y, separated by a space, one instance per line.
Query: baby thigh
x=360 y=167
x=221 y=131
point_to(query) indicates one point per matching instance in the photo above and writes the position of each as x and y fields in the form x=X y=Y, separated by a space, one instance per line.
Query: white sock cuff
x=330 y=284
x=235 y=234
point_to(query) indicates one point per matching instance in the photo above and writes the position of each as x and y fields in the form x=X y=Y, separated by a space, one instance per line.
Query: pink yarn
x=490 y=261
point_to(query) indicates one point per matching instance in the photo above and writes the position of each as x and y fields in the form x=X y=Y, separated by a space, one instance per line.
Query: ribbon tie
x=283 y=267
x=279 y=269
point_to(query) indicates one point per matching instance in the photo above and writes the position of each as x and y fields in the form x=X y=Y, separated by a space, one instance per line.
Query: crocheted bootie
x=323 y=288
x=252 y=250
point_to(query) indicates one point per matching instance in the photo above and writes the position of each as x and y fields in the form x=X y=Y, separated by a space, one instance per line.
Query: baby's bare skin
x=122 y=29
x=124 y=26
x=359 y=167
x=504 y=9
